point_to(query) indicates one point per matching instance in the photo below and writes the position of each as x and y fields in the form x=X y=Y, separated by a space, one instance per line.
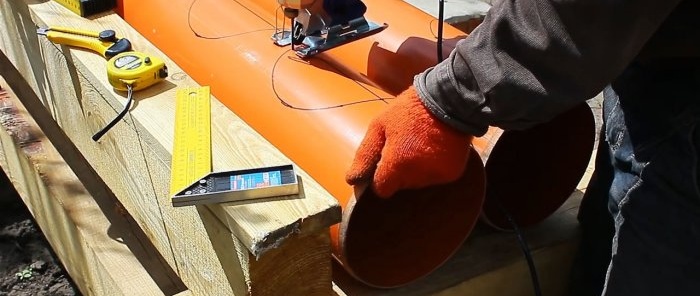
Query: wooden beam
x=70 y=87
x=282 y=270
x=94 y=241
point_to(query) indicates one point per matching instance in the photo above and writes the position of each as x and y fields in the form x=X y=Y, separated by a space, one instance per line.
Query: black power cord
x=525 y=249
x=129 y=99
x=521 y=238
x=441 y=20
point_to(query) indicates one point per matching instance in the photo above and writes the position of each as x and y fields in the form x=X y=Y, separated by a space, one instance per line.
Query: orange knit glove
x=406 y=147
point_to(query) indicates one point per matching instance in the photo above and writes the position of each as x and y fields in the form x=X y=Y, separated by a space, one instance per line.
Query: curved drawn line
x=284 y=103
x=189 y=24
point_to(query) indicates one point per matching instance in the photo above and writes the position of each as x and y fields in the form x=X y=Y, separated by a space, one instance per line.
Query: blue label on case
x=256 y=180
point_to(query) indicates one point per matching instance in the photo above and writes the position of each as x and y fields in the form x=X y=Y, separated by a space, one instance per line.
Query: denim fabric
x=648 y=162
x=597 y=230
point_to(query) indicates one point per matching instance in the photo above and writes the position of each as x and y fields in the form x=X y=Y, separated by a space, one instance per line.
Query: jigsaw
x=319 y=25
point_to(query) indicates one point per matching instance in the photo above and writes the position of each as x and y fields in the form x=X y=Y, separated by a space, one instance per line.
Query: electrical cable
x=521 y=238
x=189 y=23
x=129 y=99
x=525 y=249
x=441 y=20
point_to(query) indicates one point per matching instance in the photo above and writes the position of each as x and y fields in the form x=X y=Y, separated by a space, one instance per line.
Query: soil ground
x=23 y=248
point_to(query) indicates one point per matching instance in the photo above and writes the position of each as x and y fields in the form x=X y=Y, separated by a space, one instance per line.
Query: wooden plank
x=491 y=258
x=511 y=280
x=70 y=88
x=89 y=235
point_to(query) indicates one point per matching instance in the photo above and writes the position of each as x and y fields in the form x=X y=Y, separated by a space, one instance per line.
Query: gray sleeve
x=530 y=60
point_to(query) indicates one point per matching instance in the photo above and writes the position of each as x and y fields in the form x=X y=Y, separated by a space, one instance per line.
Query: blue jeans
x=640 y=217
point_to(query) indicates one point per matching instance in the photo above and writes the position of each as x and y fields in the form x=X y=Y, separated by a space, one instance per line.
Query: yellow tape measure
x=87 y=7
x=192 y=144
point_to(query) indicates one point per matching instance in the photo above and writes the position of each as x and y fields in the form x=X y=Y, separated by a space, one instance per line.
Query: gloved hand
x=407 y=147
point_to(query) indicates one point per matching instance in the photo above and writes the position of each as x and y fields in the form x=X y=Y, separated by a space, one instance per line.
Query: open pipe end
x=391 y=242
x=531 y=173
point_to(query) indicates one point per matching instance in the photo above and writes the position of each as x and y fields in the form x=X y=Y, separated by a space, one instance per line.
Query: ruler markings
x=192 y=144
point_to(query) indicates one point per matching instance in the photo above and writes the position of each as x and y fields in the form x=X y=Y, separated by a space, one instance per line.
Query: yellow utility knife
x=105 y=43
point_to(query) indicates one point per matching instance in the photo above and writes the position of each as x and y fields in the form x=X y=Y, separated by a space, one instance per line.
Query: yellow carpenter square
x=192 y=143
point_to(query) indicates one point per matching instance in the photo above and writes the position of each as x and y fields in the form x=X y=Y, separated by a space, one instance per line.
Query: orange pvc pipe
x=316 y=111
x=531 y=173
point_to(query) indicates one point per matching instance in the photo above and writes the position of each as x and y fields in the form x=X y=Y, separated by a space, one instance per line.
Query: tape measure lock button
x=108 y=36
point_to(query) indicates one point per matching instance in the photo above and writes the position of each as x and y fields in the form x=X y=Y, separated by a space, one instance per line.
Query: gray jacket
x=530 y=60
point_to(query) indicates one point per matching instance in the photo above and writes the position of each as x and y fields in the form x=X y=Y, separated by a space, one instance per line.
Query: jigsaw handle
x=296 y=4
